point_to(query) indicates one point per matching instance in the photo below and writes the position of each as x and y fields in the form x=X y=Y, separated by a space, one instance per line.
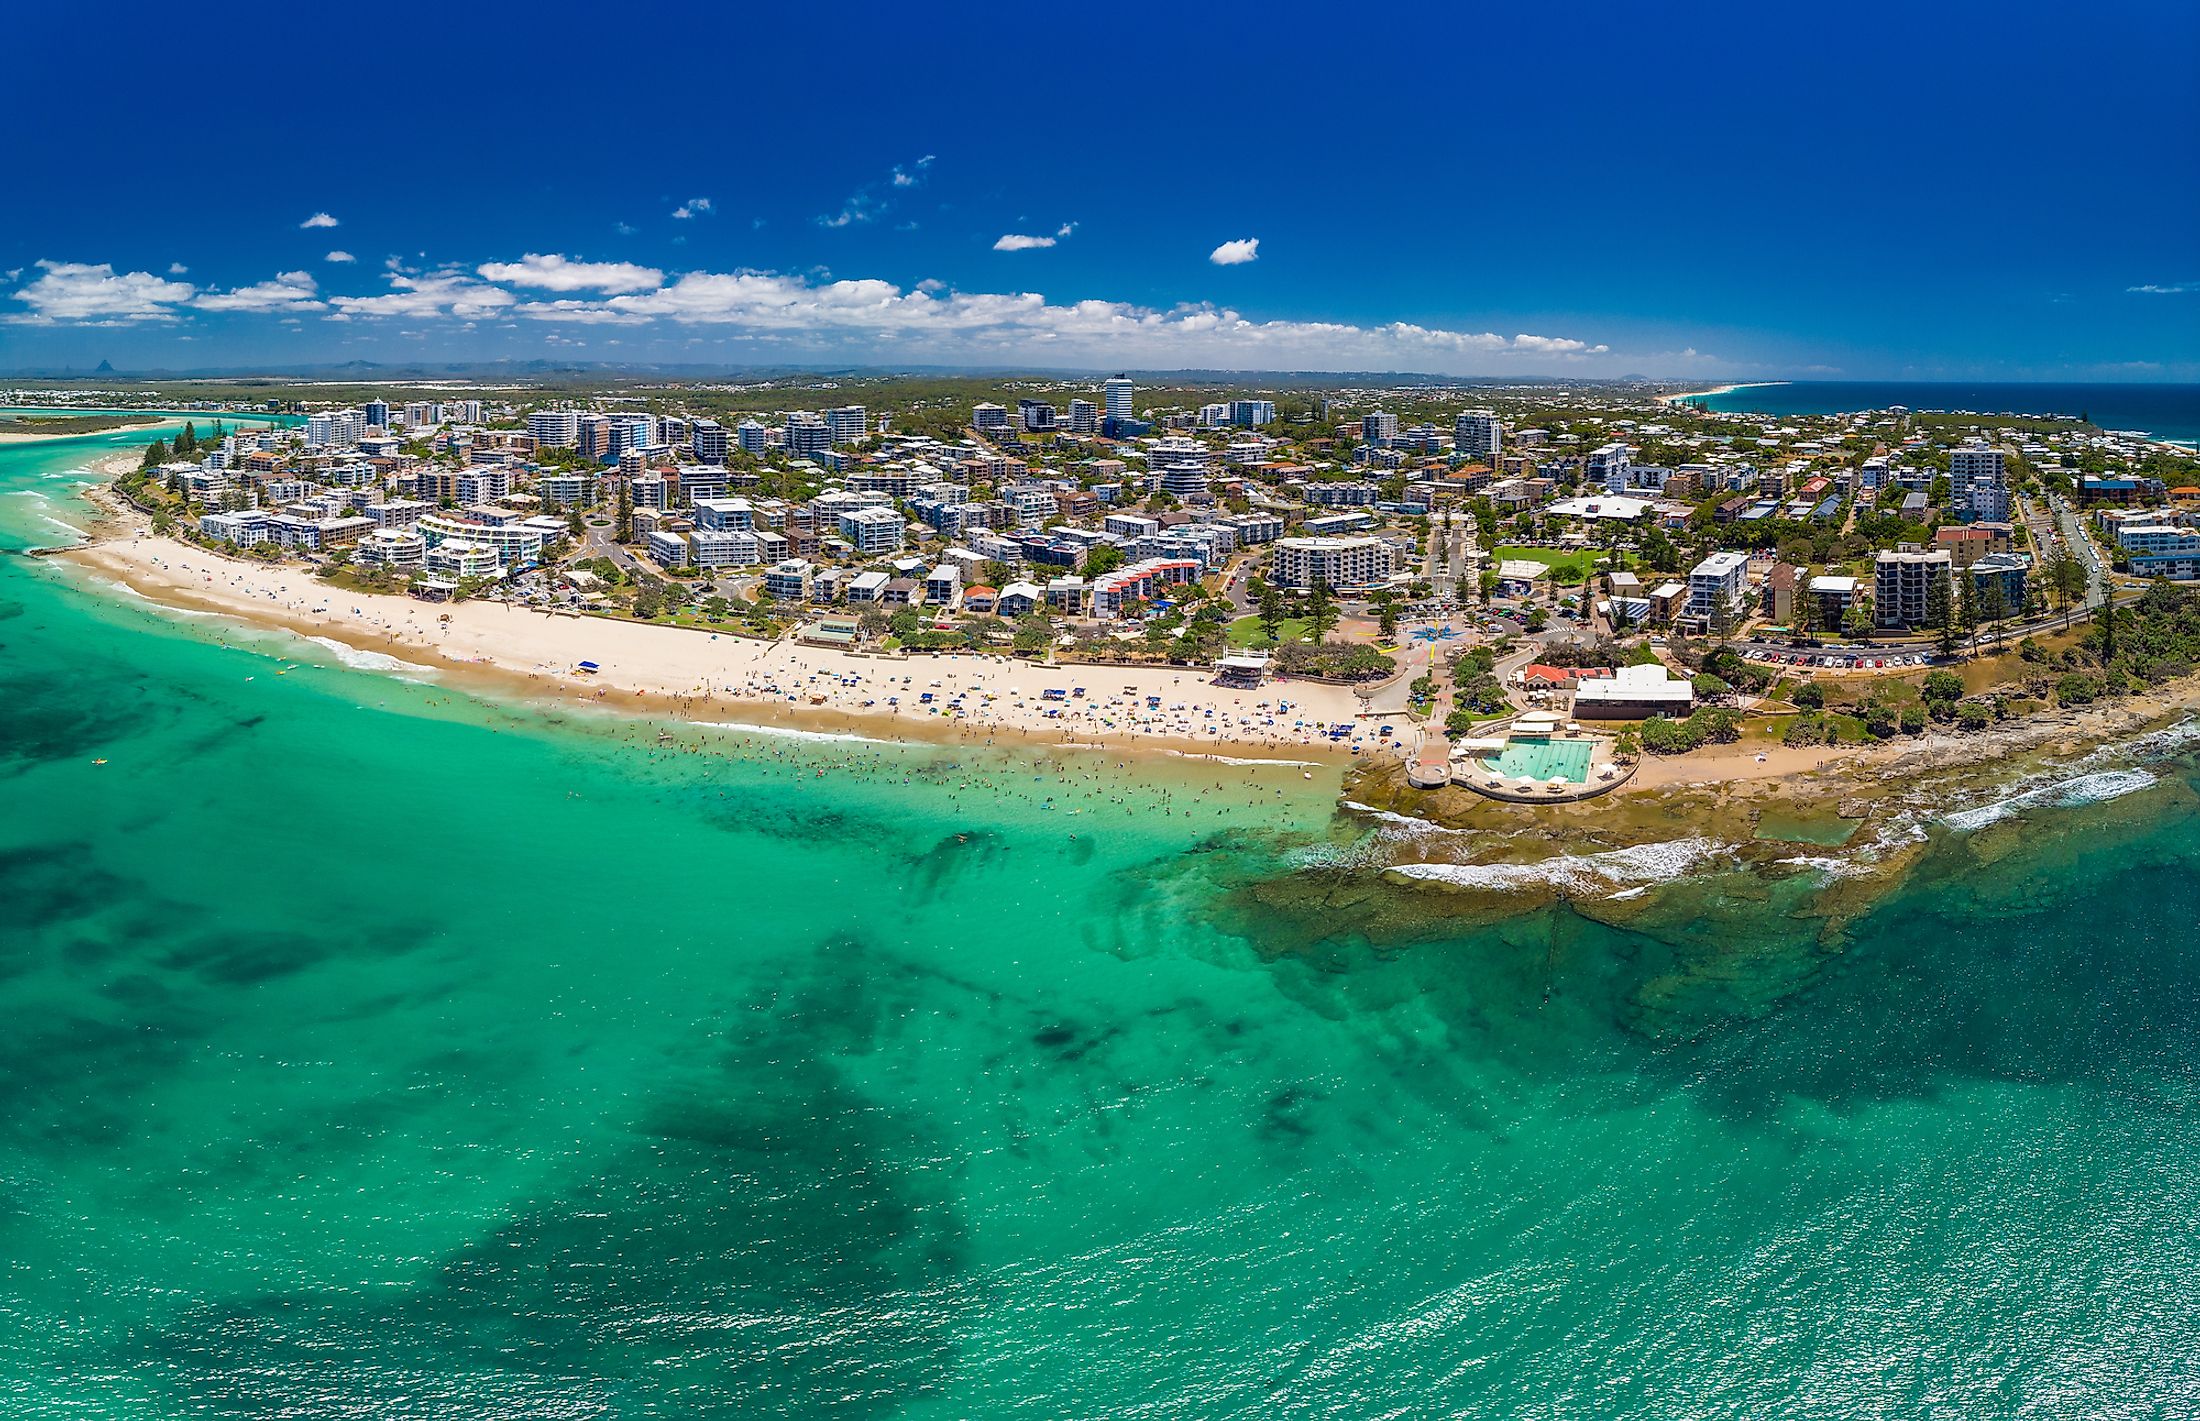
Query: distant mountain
x=103 y=368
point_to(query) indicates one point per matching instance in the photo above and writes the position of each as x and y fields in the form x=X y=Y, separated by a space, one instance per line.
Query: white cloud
x=624 y=229
x=1236 y=253
x=867 y=204
x=557 y=273
x=434 y=294
x=821 y=314
x=319 y=219
x=339 y=257
x=1014 y=242
x=2174 y=288
x=177 y=269
x=84 y=291
x=693 y=207
x=290 y=291
x=1554 y=345
x=791 y=315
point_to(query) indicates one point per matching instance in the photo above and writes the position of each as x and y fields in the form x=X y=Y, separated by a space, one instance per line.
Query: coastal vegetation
x=60 y=426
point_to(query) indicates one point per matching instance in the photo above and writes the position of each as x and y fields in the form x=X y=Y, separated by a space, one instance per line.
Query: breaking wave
x=2094 y=788
x=359 y=660
x=788 y=732
x=1643 y=864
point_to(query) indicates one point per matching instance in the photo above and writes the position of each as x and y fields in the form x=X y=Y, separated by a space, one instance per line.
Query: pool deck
x=1509 y=791
x=1569 y=793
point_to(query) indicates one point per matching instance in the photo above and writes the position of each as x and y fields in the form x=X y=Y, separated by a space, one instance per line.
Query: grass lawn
x=1246 y=632
x=1566 y=567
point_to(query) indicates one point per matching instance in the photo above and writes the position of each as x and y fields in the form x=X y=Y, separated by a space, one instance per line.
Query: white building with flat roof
x=1902 y=585
x=1336 y=562
x=1633 y=693
x=1715 y=585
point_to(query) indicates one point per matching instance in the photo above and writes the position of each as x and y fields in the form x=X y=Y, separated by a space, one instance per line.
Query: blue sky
x=1720 y=191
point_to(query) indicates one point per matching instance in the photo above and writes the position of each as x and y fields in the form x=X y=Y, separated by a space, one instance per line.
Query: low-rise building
x=1634 y=693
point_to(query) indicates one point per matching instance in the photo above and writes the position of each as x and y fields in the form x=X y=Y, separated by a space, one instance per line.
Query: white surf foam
x=1643 y=863
x=359 y=660
x=2095 y=788
x=788 y=732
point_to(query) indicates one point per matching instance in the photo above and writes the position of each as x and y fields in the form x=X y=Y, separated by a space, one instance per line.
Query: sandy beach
x=1678 y=396
x=705 y=677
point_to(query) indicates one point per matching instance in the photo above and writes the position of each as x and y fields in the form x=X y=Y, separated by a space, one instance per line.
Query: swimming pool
x=1541 y=758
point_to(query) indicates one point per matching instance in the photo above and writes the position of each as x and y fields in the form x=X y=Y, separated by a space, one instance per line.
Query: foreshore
x=705 y=677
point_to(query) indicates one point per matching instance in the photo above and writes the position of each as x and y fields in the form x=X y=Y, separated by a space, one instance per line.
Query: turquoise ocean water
x=377 y=1051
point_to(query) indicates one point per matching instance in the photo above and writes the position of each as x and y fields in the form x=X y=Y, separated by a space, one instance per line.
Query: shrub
x=2076 y=689
x=1973 y=716
x=1942 y=686
x=1809 y=695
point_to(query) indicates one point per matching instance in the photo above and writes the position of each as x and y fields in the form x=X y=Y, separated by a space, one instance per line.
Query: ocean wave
x=1246 y=760
x=166 y=609
x=359 y=660
x=1820 y=863
x=788 y=732
x=1390 y=823
x=1644 y=863
x=71 y=527
x=2096 y=787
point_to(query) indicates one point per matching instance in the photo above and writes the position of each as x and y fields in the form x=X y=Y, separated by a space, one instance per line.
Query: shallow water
x=378 y=1051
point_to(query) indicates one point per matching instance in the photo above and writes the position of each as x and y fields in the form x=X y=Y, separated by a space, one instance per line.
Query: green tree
x=1271 y=610
x=1386 y=617
x=1940 y=615
x=1321 y=610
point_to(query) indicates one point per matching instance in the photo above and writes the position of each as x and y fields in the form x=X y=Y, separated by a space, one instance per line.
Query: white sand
x=736 y=679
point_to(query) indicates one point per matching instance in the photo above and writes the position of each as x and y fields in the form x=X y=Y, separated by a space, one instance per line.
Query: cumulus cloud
x=794 y=314
x=1236 y=253
x=290 y=291
x=339 y=257
x=177 y=268
x=624 y=229
x=319 y=219
x=1015 y=242
x=693 y=207
x=817 y=313
x=2173 y=288
x=1556 y=345
x=87 y=291
x=914 y=173
x=441 y=293
x=556 y=273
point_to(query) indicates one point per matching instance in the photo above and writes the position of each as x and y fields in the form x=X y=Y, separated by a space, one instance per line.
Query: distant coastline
x=1686 y=395
x=2164 y=413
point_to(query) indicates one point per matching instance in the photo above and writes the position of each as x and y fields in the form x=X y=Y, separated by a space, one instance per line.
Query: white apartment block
x=1715 y=584
x=1902 y=584
x=1339 y=562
